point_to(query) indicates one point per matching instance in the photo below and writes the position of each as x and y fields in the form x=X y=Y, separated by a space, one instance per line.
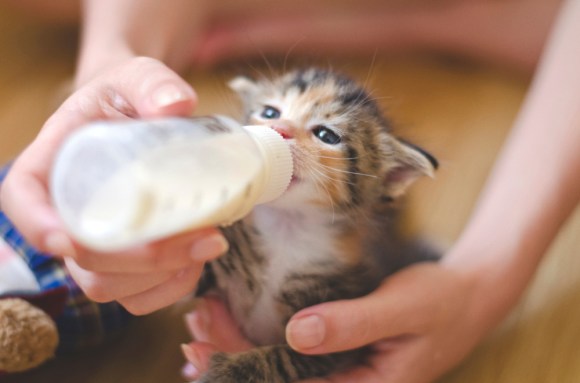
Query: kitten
x=331 y=236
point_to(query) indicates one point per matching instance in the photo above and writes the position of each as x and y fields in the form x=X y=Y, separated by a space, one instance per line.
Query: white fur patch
x=295 y=240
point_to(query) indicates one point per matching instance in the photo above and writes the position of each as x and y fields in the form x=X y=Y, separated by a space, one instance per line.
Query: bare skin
x=507 y=32
x=438 y=323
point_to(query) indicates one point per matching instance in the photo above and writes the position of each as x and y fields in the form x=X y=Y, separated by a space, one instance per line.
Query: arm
x=115 y=31
x=448 y=308
x=115 y=84
x=536 y=183
x=433 y=315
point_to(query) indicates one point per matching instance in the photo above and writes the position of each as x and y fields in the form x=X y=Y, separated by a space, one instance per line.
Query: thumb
x=399 y=306
x=333 y=327
x=211 y=322
x=140 y=87
x=152 y=88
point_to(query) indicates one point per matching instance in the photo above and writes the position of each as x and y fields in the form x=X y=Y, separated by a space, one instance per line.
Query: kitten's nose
x=286 y=130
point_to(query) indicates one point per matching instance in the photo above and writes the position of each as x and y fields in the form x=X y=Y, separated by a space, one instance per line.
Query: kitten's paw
x=241 y=368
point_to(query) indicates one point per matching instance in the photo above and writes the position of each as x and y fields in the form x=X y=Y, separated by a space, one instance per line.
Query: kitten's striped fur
x=330 y=236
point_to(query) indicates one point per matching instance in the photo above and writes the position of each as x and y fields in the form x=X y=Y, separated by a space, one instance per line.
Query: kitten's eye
x=270 y=113
x=326 y=135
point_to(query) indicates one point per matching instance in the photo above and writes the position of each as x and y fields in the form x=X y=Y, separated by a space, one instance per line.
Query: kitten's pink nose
x=285 y=130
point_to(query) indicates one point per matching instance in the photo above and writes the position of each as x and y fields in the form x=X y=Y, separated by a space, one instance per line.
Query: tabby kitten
x=330 y=236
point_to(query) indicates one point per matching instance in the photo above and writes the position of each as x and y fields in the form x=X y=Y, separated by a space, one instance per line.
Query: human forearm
x=114 y=31
x=536 y=183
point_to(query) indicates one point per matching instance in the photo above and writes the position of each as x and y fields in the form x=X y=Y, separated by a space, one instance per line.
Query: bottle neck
x=278 y=163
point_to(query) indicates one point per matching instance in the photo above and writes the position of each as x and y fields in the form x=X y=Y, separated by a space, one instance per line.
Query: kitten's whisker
x=359 y=102
x=371 y=69
x=326 y=176
x=323 y=174
x=339 y=158
x=377 y=98
x=316 y=185
x=264 y=58
x=316 y=152
x=290 y=51
x=259 y=74
x=348 y=171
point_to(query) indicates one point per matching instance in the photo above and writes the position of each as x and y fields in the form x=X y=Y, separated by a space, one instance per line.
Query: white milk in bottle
x=120 y=184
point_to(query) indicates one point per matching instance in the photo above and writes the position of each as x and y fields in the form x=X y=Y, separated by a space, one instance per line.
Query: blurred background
x=459 y=111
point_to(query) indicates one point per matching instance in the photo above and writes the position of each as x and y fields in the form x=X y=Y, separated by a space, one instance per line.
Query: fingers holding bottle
x=140 y=87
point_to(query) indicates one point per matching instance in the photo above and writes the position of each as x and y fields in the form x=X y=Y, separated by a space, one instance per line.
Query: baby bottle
x=119 y=184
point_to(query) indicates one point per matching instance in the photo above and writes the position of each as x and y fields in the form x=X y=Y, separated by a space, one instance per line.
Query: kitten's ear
x=410 y=163
x=244 y=86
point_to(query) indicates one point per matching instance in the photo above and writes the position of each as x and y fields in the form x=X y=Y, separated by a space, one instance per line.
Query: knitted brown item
x=28 y=336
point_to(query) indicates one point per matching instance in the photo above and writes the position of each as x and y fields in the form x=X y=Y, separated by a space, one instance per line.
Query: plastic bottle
x=120 y=184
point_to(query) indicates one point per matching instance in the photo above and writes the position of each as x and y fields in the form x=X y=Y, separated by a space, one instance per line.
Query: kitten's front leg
x=276 y=364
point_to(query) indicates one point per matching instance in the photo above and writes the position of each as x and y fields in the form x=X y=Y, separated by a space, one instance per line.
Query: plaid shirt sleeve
x=82 y=323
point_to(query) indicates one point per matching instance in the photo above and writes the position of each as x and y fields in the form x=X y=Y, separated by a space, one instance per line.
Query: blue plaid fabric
x=83 y=323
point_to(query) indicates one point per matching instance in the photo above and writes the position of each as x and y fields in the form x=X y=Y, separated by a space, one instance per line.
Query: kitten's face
x=344 y=155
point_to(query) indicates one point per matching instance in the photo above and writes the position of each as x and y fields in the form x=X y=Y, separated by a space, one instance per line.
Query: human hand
x=142 y=279
x=213 y=329
x=425 y=315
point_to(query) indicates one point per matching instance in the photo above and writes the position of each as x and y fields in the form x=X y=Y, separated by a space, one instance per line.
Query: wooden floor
x=460 y=113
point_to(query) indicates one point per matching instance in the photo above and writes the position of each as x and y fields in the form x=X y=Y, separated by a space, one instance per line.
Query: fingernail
x=189 y=371
x=307 y=332
x=208 y=247
x=58 y=243
x=191 y=355
x=169 y=94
